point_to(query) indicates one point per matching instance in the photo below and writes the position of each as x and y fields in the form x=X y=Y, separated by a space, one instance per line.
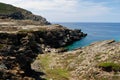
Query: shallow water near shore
x=95 y=31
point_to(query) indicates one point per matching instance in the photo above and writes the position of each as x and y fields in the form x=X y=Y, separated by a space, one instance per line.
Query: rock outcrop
x=20 y=45
x=11 y=12
x=23 y=36
x=98 y=61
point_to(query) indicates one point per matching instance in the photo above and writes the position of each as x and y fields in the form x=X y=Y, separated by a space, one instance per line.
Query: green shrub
x=109 y=66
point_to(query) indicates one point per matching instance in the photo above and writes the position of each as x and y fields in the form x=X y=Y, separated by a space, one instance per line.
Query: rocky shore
x=23 y=36
x=98 y=61
x=20 y=45
x=31 y=48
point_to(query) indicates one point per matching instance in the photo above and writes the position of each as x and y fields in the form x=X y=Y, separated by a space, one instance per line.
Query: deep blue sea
x=95 y=31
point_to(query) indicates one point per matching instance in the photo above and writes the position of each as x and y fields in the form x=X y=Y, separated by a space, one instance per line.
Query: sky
x=72 y=10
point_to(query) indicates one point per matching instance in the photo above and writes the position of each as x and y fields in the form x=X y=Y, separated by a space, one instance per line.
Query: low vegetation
x=109 y=66
x=51 y=70
x=58 y=74
x=6 y=9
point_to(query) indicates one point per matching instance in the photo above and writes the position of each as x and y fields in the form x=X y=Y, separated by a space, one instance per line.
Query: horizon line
x=83 y=22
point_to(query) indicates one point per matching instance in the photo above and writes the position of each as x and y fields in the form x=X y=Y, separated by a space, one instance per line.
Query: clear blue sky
x=72 y=10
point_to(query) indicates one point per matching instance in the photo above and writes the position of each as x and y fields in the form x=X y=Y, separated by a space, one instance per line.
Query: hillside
x=11 y=12
x=98 y=61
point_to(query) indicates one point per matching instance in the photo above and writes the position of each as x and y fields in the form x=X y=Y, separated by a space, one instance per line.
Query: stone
x=84 y=63
x=23 y=36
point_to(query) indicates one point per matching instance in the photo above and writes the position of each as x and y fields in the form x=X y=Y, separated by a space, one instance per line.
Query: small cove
x=95 y=31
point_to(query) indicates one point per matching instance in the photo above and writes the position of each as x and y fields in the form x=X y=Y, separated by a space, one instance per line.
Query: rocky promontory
x=11 y=12
x=19 y=45
x=33 y=49
x=23 y=36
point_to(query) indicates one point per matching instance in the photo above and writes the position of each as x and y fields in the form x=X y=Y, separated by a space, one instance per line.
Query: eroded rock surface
x=98 y=61
x=23 y=36
x=20 y=45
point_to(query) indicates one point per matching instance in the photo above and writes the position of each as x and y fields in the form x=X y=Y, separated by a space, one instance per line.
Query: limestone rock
x=19 y=47
x=98 y=61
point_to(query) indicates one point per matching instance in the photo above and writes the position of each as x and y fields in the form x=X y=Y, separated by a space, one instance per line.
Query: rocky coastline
x=23 y=36
x=31 y=48
x=98 y=61
x=21 y=44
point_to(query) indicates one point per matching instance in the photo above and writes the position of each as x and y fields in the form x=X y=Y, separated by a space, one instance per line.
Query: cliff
x=23 y=36
x=11 y=12
x=29 y=51
x=20 y=45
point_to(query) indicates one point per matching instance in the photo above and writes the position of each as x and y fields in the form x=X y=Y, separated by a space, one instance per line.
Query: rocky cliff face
x=23 y=37
x=20 y=45
x=11 y=12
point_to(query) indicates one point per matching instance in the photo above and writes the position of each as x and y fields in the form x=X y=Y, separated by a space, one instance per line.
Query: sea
x=96 y=32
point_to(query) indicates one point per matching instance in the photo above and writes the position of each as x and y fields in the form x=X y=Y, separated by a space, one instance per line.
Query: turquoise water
x=95 y=31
